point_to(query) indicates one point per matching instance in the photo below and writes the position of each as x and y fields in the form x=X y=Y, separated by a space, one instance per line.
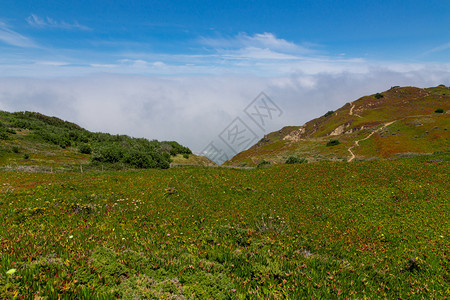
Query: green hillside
x=399 y=121
x=327 y=230
x=32 y=141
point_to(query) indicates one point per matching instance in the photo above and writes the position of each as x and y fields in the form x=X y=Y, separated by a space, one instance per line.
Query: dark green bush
x=108 y=154
x=439 y=111
x=173 y=148
x=186 y=156
x=85 y=149
x=333 y=143
x=135 y=158
x=329 y=113
x=26 y=156
x=295 y=160
x=379 y=95
x=139 y=160
x=63 y=143
x=3 y=134
x=263 y=163
x=15 y=149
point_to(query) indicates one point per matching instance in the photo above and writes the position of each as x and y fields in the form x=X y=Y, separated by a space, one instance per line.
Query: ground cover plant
x=376 y=229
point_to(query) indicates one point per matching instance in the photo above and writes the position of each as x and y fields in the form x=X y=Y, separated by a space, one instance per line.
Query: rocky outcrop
x=339 y=130
x=295 y=135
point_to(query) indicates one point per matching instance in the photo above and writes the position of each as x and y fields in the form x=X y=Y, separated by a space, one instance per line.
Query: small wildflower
x=71 y=237
x=11 y=271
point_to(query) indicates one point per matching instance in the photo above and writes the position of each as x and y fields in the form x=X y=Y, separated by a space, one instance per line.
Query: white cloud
x=257 y=54
x=260 y=40
x=438 y=49
x=195 y=109
x=14 y=38
x=48 y=22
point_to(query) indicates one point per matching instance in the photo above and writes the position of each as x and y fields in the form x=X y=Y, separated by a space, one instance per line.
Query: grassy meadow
x=364 y=230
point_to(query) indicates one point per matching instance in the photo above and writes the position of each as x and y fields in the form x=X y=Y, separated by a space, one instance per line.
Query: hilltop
x=35 y=142
x=399 y=121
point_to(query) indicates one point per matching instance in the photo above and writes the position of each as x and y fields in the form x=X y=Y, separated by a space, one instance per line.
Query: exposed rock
x=295 y=135
x=339 y=130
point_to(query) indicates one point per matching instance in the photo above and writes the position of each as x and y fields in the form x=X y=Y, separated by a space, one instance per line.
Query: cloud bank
x=194 y=110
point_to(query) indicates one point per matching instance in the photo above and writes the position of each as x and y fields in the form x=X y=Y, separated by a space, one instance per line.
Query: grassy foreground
x=375 y=229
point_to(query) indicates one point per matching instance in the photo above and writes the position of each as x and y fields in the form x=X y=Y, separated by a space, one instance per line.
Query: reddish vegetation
x=364 y=115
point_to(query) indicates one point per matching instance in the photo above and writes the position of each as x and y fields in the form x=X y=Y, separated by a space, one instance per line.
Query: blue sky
x=216 y=37
x=183 y=70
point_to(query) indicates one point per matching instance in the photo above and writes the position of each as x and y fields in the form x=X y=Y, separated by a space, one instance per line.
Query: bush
x=15 y=149
x=263 y=163
x=108 y=154
x=439 y=111
x=295 y=160
x=139 y=160
x=85 y=149
x=26 y=156
x=186 y=156
x=333 y=143
x=379 y=95
x=173 y=148
x=64 y=143
x=135 y=157
x=3 y=134
x=329 y=113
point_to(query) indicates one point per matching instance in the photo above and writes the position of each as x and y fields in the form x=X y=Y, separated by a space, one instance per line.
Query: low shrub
x=379 y=96
x=15 y=149
x=329 y=113
x=333 y=143
x=107 y=154
x=263 y=163
x=3 y=134
x=295 y=160
x=85 y=149
x=439 y=111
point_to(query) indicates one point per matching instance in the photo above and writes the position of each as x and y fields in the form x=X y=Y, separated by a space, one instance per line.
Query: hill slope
x=383 y=125
x=33 y=141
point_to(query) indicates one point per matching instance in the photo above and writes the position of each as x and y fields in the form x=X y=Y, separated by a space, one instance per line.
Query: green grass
x=324 y=230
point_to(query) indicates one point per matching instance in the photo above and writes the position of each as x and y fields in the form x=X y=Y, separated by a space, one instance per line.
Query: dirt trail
x=367 y=137
x=351 y=110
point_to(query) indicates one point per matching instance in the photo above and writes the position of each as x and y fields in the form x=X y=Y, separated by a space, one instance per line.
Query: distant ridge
x=35 y=142
x=399 y=121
